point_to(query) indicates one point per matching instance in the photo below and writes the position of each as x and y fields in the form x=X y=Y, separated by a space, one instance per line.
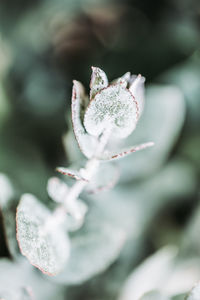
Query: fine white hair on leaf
x=46 y=248
x=98 y=81
x=113 y=107
x=86 y=142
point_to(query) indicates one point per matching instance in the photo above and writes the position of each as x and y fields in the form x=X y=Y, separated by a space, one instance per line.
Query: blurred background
x=44 y=45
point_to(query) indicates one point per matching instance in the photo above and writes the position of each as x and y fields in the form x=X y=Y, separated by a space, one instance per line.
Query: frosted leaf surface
x=93 y=248
x=71 y=173
x=86 y=142
x=57 y=189
x=195 y=293
x=113 y=107
x=98 y=81
x=107 y=155
x=46 y=248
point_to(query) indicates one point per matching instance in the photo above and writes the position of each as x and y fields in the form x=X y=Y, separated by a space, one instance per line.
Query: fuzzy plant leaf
x=195 y=293
x=46 y=248
x=107 y=155
x=86 y=142
x=98 y=81
x=113 y=107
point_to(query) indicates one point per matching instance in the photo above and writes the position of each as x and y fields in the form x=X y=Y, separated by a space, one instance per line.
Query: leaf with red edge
x=107 y=155
x=113 y=107
x=46 y=247
x=87 y=143
x=98 y=81
x=137 y=89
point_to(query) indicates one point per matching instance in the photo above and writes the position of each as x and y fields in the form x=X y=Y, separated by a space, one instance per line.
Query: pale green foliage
x=195 y=293
x=112 y=107
x=18 y=294
x=20 y=274
x=113 y=111
x=46 y=248
x=99 y=241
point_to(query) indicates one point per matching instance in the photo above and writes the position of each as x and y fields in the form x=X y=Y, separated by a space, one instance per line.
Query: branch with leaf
x=110 y=113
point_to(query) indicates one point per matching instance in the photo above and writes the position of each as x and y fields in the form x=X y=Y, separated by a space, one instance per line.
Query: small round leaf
x=113 y=107
x=46 y=248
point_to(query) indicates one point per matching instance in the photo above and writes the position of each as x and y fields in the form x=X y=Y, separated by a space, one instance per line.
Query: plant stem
x=70 y=201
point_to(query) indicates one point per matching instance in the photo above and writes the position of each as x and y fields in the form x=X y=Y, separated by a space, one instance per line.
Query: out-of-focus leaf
x=46 y=248
x=195 y=293
x=113 y=107
x=93 y=248
x=150 y=275
x=185 y=273
x=161 y=123
x=185 y=76
x=16 y=275
x=154 y=295
x=22 y=293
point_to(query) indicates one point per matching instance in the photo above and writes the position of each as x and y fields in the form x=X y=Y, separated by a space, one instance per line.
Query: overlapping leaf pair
x=117 y=107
